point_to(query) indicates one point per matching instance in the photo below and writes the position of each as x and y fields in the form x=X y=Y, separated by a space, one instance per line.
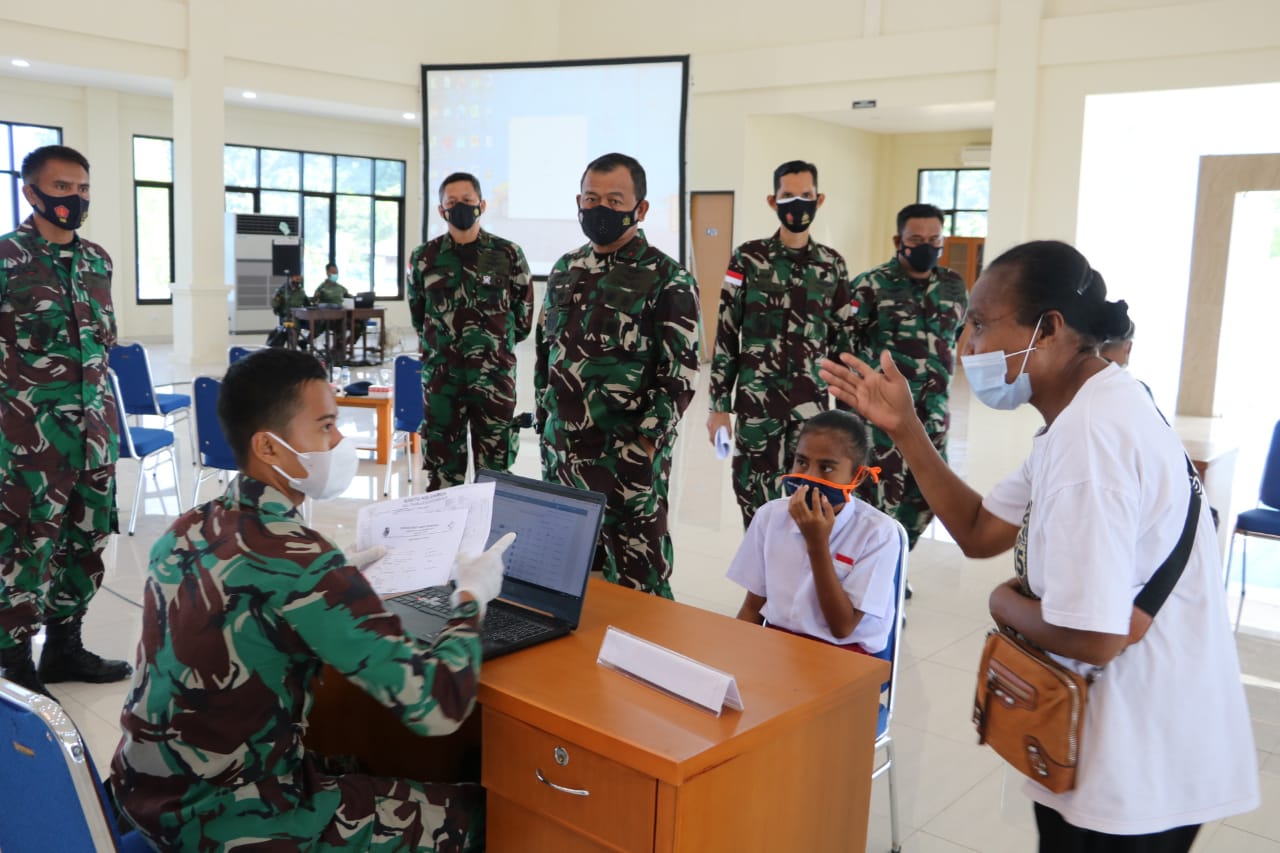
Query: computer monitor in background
x=528 y=130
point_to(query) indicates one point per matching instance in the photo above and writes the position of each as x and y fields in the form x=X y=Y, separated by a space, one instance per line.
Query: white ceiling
x=912 y=119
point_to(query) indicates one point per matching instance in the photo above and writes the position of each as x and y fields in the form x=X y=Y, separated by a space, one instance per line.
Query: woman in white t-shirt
x=1090 y=514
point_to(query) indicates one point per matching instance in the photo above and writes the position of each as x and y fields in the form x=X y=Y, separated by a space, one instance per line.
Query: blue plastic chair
x=131 y=364
x=143 y=443
x=236 y=353
x=213 y=453
x=1262 y=522
x=888 y=690
x=406 y=413
x=53 y=797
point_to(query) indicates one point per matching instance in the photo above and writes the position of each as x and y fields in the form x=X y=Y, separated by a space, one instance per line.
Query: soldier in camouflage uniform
x=784 y=306
x=243 y=605
x=471 y=301
x=915 y=309
x=59 y=442
x=617 y=344
x=288 y=296
x=330 y=291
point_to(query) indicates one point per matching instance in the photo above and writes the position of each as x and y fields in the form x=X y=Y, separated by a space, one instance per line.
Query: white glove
x=481 y=575
x=363 y=559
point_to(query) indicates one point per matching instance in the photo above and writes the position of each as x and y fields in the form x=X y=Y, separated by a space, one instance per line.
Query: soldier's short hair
x=919 y=211
x=460 y=176
x=609 y=162
x=263 y=391
x=793 y=167
x=852 y=427
x=36 y=160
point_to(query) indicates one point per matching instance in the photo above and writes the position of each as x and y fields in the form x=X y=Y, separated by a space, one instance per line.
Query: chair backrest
x=211 y=443
x=130 y=363
x=1269 y=493
x=407 y=404
x=127 y=450
x=890 y=651
x=236 y=353
x=53 y=798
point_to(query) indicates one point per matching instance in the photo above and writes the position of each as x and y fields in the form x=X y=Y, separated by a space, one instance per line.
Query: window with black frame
x=153 y=218
x=16 y=142
x=963 y=196
x=351 y=207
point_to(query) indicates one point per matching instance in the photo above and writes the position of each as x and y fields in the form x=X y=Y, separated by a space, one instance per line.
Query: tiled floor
x=955 y=795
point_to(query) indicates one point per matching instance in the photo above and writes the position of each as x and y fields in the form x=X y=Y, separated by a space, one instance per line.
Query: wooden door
x=711 y=221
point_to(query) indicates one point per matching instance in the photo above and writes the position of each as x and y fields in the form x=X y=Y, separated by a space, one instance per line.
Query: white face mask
x=985 y=372
x=329 y=472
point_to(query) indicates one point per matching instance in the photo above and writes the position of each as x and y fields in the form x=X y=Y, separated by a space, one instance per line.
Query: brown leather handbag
x=1030 y=709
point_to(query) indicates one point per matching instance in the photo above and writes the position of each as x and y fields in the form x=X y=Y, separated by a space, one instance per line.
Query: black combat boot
x=66 y=659
x=17 y=666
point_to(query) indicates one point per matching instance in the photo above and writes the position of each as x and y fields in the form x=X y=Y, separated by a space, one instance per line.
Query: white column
x=1013 y=123
x=199 y=121
x=108 y=224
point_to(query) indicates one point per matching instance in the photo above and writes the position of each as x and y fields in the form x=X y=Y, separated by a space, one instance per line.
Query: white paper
x=724 y=444
x=670 y=672
x=423 y=535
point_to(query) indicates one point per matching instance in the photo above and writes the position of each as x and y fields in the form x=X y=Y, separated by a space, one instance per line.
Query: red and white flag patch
x=856 y=304
x=733 y=278
x=844 y=558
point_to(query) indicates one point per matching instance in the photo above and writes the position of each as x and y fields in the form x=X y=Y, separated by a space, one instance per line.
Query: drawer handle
x=577 y=792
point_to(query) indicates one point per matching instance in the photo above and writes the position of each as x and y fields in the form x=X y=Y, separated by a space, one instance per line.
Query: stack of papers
x=423 y=535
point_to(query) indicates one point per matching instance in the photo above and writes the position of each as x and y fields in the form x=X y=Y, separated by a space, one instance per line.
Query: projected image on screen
x=527 y=132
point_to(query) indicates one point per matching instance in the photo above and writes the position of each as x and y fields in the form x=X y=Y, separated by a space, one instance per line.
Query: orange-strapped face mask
x=834 y=492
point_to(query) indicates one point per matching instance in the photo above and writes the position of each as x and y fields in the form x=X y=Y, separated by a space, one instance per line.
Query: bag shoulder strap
x=1152 y=596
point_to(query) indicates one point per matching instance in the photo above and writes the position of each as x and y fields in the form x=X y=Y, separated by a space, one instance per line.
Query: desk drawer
x=618 y=806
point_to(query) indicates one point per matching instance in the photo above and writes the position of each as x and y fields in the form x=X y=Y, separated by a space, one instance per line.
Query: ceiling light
x=20 y=63
x=410 y=116
x=248 y=96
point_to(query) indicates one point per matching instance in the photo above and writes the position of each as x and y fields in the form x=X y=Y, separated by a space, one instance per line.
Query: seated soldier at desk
x=288 y=296
x=330 y=292
x=243 y=605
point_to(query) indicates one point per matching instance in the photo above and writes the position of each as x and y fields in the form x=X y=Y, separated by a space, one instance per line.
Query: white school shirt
x=773 y=562
x=1167 y=740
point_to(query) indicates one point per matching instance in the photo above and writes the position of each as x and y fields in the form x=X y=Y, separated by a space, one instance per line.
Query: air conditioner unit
x=248 y=252
x=976 y=155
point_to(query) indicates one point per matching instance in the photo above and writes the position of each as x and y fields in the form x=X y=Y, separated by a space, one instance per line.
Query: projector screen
x=528 y=130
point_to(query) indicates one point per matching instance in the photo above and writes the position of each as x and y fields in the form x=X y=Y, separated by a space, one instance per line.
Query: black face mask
x=604 y=225
x=64 y=211
x=796 y=214
x=462 y=216
x=922 y=258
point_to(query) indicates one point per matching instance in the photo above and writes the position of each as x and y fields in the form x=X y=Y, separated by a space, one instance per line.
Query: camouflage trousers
x=764 y=449
x=455 y=400
x=54 y=526
x=351 y=811
x=635 y=542
x=897 y=494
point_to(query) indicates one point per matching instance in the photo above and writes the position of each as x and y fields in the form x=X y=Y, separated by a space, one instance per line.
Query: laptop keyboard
x=500 y=626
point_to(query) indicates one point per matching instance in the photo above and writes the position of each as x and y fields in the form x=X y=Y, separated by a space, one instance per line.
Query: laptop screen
x=557 y=528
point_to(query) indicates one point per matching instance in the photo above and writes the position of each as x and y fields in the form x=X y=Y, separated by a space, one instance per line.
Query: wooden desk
x=382 y=408
x=792 y=771
x=311 y=316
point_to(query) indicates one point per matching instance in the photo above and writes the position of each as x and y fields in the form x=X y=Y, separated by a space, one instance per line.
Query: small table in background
x=384 y=416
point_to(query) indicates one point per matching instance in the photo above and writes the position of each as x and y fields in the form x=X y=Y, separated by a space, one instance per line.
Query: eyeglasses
x=914 y=241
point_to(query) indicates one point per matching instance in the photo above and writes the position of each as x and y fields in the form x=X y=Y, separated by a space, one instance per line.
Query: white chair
x=884 y=740
x=143 y=443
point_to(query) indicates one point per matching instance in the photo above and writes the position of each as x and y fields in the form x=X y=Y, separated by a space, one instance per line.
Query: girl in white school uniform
x=821 y=563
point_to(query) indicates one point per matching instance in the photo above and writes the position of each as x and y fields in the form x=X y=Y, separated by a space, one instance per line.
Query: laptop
x=545 y=570
x=364 y=299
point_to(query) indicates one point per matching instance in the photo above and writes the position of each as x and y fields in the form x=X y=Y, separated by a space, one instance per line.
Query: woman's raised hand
x=882 y=397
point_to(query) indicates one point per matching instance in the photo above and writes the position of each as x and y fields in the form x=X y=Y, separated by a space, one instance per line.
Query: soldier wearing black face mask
x=471 y=300
x=915 y=309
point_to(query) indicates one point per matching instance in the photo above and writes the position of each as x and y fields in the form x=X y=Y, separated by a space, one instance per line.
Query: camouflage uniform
x=243 y=604
x=330 y=293
x=286 y=298
x=59 y=441
x=781 y=312
x=471 y=304
x=617 y=345
x=919 y=323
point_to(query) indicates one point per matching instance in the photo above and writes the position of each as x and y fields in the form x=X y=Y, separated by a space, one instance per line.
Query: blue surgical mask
x=985 y=372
